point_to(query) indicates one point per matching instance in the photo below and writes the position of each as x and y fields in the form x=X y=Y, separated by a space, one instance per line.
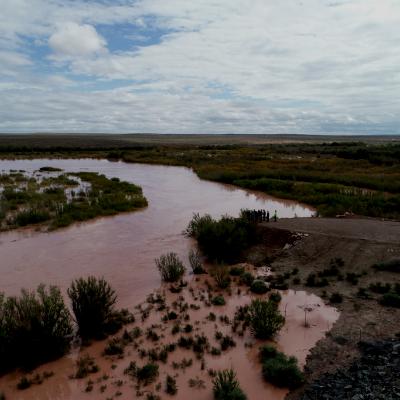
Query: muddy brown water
x=122 y=249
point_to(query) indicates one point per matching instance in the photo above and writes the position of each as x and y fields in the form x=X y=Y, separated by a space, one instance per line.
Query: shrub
x=221 y=275
x=34 y=328
x=195 y=262
x=391 y=265
x=147 y=374
x=93 y=303
x=218 y=301
x=264 y=318
x=247 y=278
x=390 y=299
x=379 y=288
x=114 y=347
x=222 y=240
x=236 y=271
x=85 y=365
x=171 y=267
x=226 y=386
x=336 y=298
x=280 y=370
x=275 y=297
x=259 y=287
x=170 y=384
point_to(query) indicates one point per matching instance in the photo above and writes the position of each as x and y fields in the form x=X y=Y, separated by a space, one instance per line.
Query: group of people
x=259 y=215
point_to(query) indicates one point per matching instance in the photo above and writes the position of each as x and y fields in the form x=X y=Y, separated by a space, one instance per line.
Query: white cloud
x=72 y=39
x=221 y=66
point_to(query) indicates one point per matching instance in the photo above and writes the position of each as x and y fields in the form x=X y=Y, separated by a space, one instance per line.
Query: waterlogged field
x=52 y=198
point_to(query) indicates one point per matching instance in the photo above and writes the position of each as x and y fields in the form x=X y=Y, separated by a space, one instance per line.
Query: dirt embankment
x=359 y=243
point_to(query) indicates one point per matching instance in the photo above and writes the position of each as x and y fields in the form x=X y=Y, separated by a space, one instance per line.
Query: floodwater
x=123 y=248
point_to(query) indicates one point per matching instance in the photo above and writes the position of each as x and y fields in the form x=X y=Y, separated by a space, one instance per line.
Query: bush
x=236 y=271
x=147 y=374
x=218 y=301
x=247 y=278
x=275 y=297
x=390 y=299
x=93 y=303
x=195 y=262
x=171 y=267
x=264 y=318
x=336 y=298
x=259 y=287
x=222 y=240
x=34 y=328
x=226 y=386
x=391 y=265
x=114 y=347
x=379 y=288
x=280 y=370
x=170 y=386
x=221 y=275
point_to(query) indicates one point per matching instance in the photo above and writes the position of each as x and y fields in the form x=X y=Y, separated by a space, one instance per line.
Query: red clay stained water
x=123 y=248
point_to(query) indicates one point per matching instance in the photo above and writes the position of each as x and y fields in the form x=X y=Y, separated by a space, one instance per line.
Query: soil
x=359 y=243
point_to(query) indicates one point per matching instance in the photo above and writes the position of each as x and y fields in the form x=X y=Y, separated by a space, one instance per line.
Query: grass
x=29 y=200
x=226 y=386
x=170 y=267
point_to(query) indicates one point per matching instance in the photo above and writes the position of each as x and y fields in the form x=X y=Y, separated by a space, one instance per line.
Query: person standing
x=267 y=216
x=275 y=216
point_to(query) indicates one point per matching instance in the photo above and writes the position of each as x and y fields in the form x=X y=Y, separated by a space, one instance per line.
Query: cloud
x=72 y=39
x=210 y=66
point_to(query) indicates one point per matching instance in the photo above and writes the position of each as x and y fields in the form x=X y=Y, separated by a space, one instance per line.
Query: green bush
x=236 y=271
x=170 y=386
x=171 y=267
x=222 y=240
x=147 y=374
x=247 y=278
x=218 y=301
x=391 y=299
x=279 y=369
x=391 y=265
x=226 y=386
x=221 y=276
x=93 y=302
x=259 y=287
x=34 y=328
x=264 y=318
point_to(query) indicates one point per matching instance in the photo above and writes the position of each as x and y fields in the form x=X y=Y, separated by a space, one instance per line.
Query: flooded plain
x=123 y=248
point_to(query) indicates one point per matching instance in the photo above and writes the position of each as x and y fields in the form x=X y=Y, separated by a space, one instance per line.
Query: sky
x=200 y=66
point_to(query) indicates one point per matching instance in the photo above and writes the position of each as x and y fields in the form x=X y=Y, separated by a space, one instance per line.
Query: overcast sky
x=200 y=66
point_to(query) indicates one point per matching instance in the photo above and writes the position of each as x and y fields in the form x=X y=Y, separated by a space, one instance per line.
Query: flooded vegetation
x=56 y=199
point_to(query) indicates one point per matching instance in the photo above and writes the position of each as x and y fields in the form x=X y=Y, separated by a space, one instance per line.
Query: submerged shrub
x=259 y=287
x=93 y=303
x=279 y=369
x=147 y=374
x=34 y=328
x=264 y=318
x=218 y=301
x=171 y=267
x=195 y=262
x=336 y=298
x=170 y=385
x=221 y=275
x=391 y=299
x=226 y=386
x=247 y=278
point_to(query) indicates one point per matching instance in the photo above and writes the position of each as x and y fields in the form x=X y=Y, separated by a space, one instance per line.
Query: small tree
x=171 y=267
x=226 y=386
x=93 y=303
x=195 y=262
x=264 y=318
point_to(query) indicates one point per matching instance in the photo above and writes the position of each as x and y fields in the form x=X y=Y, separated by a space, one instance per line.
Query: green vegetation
x=218 y=301
x=34 y=328
x=93 y=303
x=264 y=318
x=259 y=287
x=171 y=267
x=391 y=299
x=222 y=240
x=226 y=386
x=52 y=202
x=391 y=266
x=195 y=262
x=279 y=369
x=170 y=385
